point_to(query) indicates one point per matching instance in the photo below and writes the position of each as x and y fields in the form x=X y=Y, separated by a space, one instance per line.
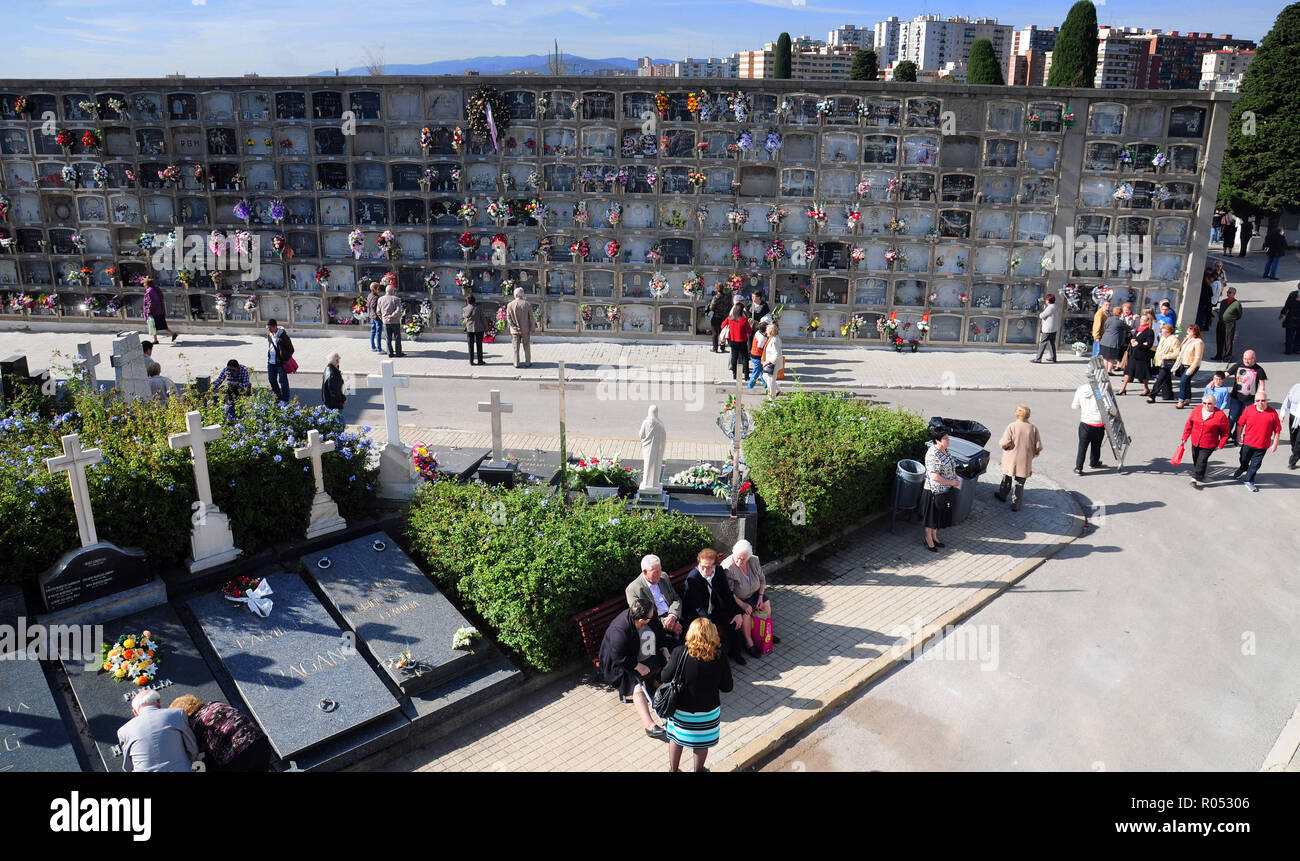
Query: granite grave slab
x=393 y=608
x=460 y=463
x=106 y=704
x=303 y=680
x=33 y=736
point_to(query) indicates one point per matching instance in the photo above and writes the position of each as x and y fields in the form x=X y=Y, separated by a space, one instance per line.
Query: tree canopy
x=983 y=66
x=905 y=71
x=782 y=63
x=1074 y=58
x=864 y=66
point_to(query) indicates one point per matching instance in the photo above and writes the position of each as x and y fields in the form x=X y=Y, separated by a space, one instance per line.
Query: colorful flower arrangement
x=499 y=241
x=897 y=225
x=1033 y=120
x=738 y=103
x=243 y=210
x=613 y=313
x=735 y=254
x=20 y=105
x=825 y=107
x=413 y=325
x=735 y=282
x=773 y=143
x=693 y=102
x=99 y=174
x=864 y=188
x=280 y=245
x=612 y=248
x=775 y=252
x=4 y=206
x=132 y=658
x=145 y=241
x=701 y=214
x=586 y=311
x=250 y=303
x=812 y=326
x=662 y=102
x=544 y=247
x=185 y=278
x=1126 y=156
x=579 y=249
x=658 y=285
x=114 y=304
x=467 y=211
x=777 y=214
x=806 y=291
x=534 y=180
x=21 y=302
x=92 y=138
x=737 y=216
x=816 y=215
x=1072 y=301
x=498 y=209
x=810 y=250
x=895 y=259
x=858 y=254
x=457 y=139
x=1123 y=191
x=69 y=175
x=217 y=242
x=924 y=325
x=853 y=217
x=359 y=308
x=463 y=281
x=323 y=277
x=693 y=285
x=655 y=254
x=171 y=173
x=888 y=327
x=388 y=245
x=64 y=138
x=893 y=186
x=78 y=242
x=536 y=209
x=745 y=142
x=1101 y=293
x=426 y=462
x=852 y=326
x=614 y=214
x=468 y=243
x=696 y=179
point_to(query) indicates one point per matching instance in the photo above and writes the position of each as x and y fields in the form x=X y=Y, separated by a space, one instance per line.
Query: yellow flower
x=129 y=644
x=108 y=666
x=119 y=673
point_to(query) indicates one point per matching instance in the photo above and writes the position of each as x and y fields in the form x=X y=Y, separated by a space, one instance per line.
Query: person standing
x=1114 y=333
x=756 y=352
x=376 y=324
x=1051 y=324
x=758 y=309
x=1248 y=379
x=1205 y=301
x=719 y=305
x=1189 y=362
x=1207 y=428
x=1247 y=231
x=156 y=739
x=773 y=359
x=737 y=330
x=1290 y=317
x=519 y=319
x=1092 y=427
x=155 y=309
x=705 y=673
x=1225 y=331
x=937 y=495
x=331 y=384
x=1140 y=351
x=1229 y=234
x=1020 y=443
x=1098 y=326
x=391 y=311
x=279 y=351
x=1167 y=351
x=1216 y=226
x=1259 y=430
x=1166 y=314
x=1218 y=386
x=1275 y=246
x=1291 y=409
x=475 y=326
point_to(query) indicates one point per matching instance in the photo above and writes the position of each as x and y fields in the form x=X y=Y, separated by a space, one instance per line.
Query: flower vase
x=595 y=492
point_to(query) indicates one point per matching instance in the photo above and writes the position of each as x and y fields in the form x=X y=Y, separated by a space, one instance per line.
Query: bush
x=833 y=454
x=527 y=566
x=142 y=494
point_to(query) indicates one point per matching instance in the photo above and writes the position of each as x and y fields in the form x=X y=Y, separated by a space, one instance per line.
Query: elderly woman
x=749 y=588
x=1167 y=350
x=475 y=327
x=331 y=384
x=773 y=359
x=937 y=496
x=1020 y=445
x=229 y=739
x=705 y=674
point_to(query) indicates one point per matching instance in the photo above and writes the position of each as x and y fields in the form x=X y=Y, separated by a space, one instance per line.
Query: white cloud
x=584 y=12
x=498 y=2
x=199 y=2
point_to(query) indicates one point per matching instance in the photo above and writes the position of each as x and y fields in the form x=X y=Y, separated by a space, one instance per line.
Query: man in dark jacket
x=632 y=654
x=1247 y=231
x=1275 y=246
x=331 y=385
x=710 y=596
x=1290 y=316
x=279 y=351
x=758 y=309
x=719 y=305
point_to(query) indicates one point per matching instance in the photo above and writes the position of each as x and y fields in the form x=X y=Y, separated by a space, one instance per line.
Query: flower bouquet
x=250 y=303
x=613 y=313
x=499 y=242
x=601 y=471
x=544 y=246
x=50 y=301
x=853 y=217
x=825 y=107
x=1123 y=192
x=498 y=210
x=895 y=259
x=693 y=285
x=1033 y=121
x=464 y=638
x=745 y=142
x=775 y=215
x=693 y=102
x=132 y=658
x=171 y=173
x=280 y=246
x=1067 y=118
x=114 y=305
x=537 y=211
x=82 y=276
x=775 y=252
x=100 y=175
x=735 y=254
x=696 y=179
x=735 y=282
x=773 y=143
x=579 y=249
x=614 y=214
x=858 y=254
x=69 y=175
x=701 y=214
x=413 y=326
x=580 y=213
x=357 y=242
x=805 y=290
x=658 y=285
x=243 y=210
x=21 y=302
x=457 y=139
x=64 y=138
x=323 y=277
x=897 y=225
x=1072 y=300
x=467 y=212
x=817 y=216
x=92 y=139
x=655 y=254
x=463 y=281
x=92 y=305
x=388 y=245
x=1160 y=159
x=78 y=242
x=20 y=105
x=813 y=325
x=737 y=216
x=359 y=309
x=534 y=180
x=894 y=186
x=854 y=324
x=864 y=188
x=455 y=176
x=185 y=278
x=611 y=249
x=426 y=139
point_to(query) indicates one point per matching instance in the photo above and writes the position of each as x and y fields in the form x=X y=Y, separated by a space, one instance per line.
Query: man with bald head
x=1247 y=377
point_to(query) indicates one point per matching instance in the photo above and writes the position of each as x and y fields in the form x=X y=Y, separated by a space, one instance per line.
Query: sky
x=151 y=38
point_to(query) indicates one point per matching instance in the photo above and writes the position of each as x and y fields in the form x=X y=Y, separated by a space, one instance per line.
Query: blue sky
x=149 y=38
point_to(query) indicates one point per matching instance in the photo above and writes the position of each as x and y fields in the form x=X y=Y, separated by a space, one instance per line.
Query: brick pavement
x=839 y=615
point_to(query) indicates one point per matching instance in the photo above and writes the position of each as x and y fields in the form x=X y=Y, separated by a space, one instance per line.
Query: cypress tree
x=864 y=66
x=905 y=71
x=782 y=65
x=982 y=67
x=1074 y=59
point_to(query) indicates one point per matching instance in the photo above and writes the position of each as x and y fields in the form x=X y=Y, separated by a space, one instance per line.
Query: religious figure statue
x=653 y=439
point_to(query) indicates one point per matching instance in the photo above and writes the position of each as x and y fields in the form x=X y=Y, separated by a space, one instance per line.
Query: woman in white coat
x=773 y=358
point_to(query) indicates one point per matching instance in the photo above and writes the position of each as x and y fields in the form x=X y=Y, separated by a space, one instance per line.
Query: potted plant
x=603 y=477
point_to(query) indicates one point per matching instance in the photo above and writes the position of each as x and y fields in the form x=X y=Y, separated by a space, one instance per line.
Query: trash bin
x=909 y=478
x=972 y=462
x=971 y=431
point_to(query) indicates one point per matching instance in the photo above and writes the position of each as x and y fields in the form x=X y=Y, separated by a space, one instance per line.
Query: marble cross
x=74 y=461
x=87 y=360
x=562 y=386
x=494 y=406
x=210 y=537
x=314 y=449
x=389 y=383
x=196 y=438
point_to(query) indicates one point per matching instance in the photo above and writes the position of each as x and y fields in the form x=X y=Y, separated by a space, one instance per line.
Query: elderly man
x=652 y=586
x=156 y=739
x=1260 y=429
x=390 y=310
x=631 y=656
x=519 y=317
x=1098 y=326
x=1291 y=408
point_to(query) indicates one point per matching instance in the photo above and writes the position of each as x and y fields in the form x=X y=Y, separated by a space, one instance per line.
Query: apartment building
x=850 y=36
x=1222 y=71
x=931 y=41
x=1027 y=64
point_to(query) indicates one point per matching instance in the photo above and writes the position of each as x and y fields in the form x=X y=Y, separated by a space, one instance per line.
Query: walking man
x=1099 y=325
x=1275 y=246
x=1051 y=317
x=1290 y=316
x=390 y=312
x=1260 y=428
x=1248 y=379
x=519 y=317
x=1092 y=427
x=1291 y=409
x=1225 y=331
x=279 y=351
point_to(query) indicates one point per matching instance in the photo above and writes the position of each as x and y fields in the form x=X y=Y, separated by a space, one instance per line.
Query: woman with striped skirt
x=705 y=674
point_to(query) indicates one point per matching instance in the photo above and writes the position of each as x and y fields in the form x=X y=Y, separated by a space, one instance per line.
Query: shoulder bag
x=665 y=699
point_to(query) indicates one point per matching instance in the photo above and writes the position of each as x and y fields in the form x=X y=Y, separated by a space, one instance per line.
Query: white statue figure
x=653 y=440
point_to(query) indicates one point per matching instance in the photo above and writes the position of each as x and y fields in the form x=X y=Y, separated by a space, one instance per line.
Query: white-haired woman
x=773 y=359
x=331 y=384
x=749 y=587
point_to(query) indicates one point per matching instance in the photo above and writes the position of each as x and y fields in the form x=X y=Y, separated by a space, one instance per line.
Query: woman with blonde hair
x=704 y=674
x=1020 y=445
x=1167 y=351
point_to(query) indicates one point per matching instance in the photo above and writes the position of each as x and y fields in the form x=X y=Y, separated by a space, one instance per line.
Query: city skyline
x=230 y=38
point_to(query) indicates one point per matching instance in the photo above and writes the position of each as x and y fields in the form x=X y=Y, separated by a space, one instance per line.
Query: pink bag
x=761 y=631
x=1178 y=455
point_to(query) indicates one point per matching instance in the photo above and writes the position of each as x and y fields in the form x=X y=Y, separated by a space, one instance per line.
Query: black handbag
x=665 y=699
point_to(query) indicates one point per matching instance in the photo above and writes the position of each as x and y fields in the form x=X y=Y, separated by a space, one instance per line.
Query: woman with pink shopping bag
x=745 y=576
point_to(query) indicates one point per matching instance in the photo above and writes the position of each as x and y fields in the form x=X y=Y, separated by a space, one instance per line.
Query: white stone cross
x=74 y=461
x=87 y=360
x=196 y=437
x=496 y=408
x=562 y=386
x=314 y=449
x=390 y=383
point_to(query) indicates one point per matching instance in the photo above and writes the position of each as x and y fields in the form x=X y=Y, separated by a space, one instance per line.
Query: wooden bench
x=593 y=623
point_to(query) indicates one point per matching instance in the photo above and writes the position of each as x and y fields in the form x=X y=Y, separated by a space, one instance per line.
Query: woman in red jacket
x=737 y=331
x=1207 y=428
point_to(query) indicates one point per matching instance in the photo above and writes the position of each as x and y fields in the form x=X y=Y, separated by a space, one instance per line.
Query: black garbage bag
x=972 y=431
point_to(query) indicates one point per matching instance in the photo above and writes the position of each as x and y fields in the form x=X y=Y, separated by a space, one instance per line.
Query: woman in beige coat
x=1020 y=445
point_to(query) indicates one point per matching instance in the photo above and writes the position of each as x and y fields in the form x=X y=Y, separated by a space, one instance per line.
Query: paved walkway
x=844 y=618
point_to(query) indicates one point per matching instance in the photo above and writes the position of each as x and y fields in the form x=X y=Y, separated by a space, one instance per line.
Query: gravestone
x=393 y=608
x=129 y=367
x=106 y=704
x=211 y=541
x=396 y=469
x=87 y=360
x=498 y=470
x=324 y=511
x=33 y=736
x=542 y=465
x=302 y=678
x=460 y=464
x=15 y=376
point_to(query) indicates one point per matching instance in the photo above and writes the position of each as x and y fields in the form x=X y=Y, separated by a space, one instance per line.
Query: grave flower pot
x=595 y=492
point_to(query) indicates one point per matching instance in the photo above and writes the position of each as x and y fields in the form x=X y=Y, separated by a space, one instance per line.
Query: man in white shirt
x=657 y=590
x=1092 y=427
x=1291 y=408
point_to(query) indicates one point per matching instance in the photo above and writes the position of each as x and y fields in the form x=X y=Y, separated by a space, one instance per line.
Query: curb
x=771 y=742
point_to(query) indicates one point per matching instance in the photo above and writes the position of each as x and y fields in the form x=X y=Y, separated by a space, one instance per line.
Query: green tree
x=905 y=71
x=782 y=62
x=1260 y=170
x=1074 y=59
x=864 y=66
x=983 y=66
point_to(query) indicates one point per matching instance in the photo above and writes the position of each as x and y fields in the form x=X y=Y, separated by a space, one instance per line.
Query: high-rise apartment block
x=931 y=41
x=1222 y=71
x=1027 y=65
x=851 y=36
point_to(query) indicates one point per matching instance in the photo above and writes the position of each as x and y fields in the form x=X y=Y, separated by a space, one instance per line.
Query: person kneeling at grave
x=745 y=576
x=631 y=655
x=654 y=587
x=156 y=739
x=236 y=380
x=229 y=739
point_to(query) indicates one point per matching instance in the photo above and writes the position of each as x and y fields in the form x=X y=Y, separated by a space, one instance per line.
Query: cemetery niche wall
x=618 y=196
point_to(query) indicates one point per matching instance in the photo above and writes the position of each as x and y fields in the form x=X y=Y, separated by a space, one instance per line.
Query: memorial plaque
x=92 y=572
x=33 y=736
x=303 y=680
x=393 y=608
x=106 y=704
x=544 y=465
x=460 y=464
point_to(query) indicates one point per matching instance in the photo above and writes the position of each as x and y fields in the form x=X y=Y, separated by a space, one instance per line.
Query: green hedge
x=527 y=566
x=835 y=455
x=142 y=494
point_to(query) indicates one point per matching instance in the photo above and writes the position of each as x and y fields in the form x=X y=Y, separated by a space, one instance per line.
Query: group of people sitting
x=696 y=634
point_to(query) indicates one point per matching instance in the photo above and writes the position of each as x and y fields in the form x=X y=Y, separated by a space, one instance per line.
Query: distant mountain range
x=498 y=66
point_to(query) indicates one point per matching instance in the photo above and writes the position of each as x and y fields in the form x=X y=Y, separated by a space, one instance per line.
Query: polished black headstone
x=15 y=374
x=33 y=736
x=460 y=463
x=106 y=704
x=303 y=679
x=542 y=465
x=393 y=608
x=93 y=572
